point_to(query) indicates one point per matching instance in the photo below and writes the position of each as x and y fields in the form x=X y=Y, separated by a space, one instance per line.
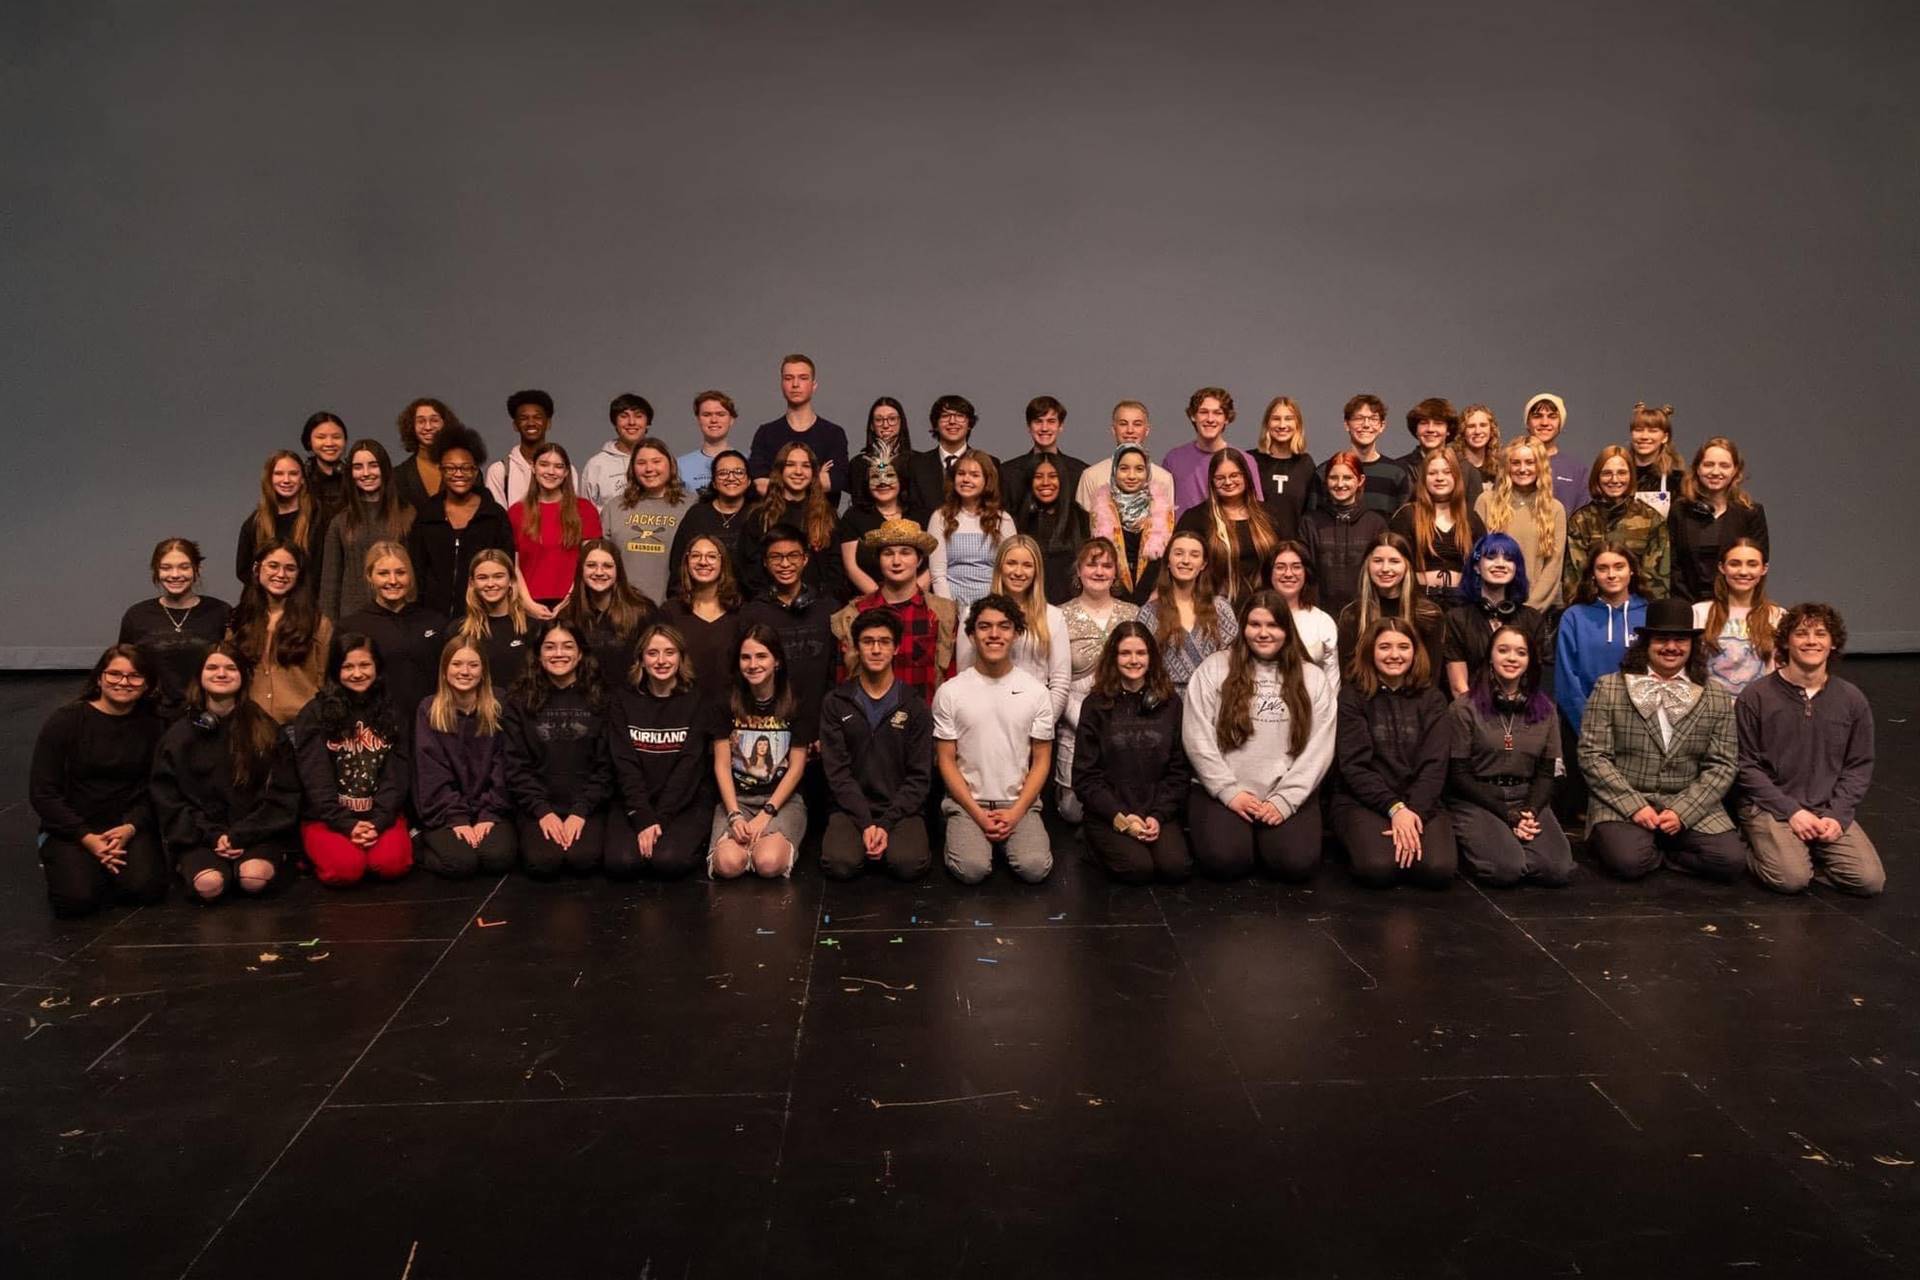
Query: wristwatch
x=771 y=809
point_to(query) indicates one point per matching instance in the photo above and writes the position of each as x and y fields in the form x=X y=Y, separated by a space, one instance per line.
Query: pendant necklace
x=1506 y=725
x=179 y=622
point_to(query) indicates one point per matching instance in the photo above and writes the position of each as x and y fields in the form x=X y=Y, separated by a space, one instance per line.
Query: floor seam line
x=793 y=1076
x=337 y=1084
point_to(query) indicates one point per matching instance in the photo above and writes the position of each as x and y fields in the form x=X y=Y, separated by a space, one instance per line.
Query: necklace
x=1506 y=730
x=181 y=621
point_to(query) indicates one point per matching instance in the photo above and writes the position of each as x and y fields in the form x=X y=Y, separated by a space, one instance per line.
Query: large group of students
x=1229 y=659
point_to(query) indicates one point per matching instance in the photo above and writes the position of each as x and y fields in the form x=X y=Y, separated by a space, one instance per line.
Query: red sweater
x=544 y=563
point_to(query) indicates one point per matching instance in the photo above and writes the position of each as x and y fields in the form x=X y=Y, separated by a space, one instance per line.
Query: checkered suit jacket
x=1627 y=768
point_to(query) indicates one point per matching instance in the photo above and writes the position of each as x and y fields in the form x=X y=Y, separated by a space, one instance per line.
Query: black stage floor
x=505 y=1078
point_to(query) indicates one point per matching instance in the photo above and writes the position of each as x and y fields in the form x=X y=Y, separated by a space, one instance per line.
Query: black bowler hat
x=1670 y=617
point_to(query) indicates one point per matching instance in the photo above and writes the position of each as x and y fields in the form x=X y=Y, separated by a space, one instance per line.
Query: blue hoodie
x=1593 y=639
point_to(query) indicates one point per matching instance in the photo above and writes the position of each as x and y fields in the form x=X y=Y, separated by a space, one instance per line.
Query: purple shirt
x=1188 y=463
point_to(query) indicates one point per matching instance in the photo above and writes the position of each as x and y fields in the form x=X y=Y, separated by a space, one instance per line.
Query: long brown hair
x=1223 y=551
x=264 y=528
x=816 y=518
x=1366 y=603
x=1108 y=683
x=1167 y=630
x=251 y=732
x=989 y=498
x=1737 y=494
x=1760 y=628
x=726 y=587
x=569 y=504
x=1233 y=723
x=299 y=627
x=387 y=512
x=1426 y=515
x=627 y=606
x=1360 y=667
x=1668 y=459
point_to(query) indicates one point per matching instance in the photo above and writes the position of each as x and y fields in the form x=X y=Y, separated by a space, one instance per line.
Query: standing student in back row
x=1210 y=410
x=800 y=425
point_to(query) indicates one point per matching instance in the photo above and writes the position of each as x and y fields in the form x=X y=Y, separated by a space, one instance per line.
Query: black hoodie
x=557 y=756
x=196 y=799
x=805 y=628
x=1393 y=747
x=410 y=639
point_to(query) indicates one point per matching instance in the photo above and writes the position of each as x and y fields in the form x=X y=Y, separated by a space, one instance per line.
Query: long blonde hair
x=442 y=714
x=1032 y=601
x=478 y=624
x=1499 y=512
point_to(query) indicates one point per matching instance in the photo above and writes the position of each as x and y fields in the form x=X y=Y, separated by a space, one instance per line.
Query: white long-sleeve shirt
x=1264 y=764
x=1320 y=636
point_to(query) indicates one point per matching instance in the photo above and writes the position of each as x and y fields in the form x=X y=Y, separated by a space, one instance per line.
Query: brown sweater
x=283 y=691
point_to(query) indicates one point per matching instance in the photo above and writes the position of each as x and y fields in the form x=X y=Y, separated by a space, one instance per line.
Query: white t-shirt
x=993 y=723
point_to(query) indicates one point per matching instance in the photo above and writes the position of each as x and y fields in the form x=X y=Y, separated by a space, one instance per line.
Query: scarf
x=1132 y=508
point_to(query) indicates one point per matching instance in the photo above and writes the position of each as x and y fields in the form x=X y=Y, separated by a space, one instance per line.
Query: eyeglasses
x=1366 y=418
x=953 y=416
x=459 y=471
x=729 y=475
x=122 y=677
x=786 y=557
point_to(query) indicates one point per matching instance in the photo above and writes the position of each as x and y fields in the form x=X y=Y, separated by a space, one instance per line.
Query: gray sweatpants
x=970 y=855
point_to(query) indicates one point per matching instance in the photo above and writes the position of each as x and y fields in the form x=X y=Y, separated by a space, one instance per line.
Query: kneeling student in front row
x=1806 y=759
x=1658 y=749
x=1394 y=740
x=876 y=746
x=223 y=784
x=460 y=769
x=1259 y=732
x=557 y=770
x=993 y=738
x=352 y=756
x=662 y=762
x=1129 y=767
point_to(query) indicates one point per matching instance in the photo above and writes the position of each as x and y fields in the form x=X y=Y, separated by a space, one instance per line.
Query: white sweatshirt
x=1263 y=764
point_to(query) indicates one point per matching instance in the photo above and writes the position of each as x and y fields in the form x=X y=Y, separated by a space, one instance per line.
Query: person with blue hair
x=1495 y=590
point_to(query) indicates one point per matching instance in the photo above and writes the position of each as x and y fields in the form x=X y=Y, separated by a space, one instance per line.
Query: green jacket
x=1629 y=521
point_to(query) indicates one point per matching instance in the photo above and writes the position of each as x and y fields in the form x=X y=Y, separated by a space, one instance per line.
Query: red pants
x=339 y=861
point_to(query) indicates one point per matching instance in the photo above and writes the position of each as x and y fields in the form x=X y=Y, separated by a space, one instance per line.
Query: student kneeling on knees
x=993 y=738
x=1658 y=747
x=353 y=771
x=223 y=784
x=1394 y=740
x=661 y=760
x=876 y=745
x=460 y=770
x=1506 y=743
x=1129 y=768
x=758 y=758
x=1806 y=759
x=557 y=768
x=1259 y=731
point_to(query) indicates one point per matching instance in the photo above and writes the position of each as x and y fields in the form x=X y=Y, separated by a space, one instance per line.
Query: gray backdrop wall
x=221 y=217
